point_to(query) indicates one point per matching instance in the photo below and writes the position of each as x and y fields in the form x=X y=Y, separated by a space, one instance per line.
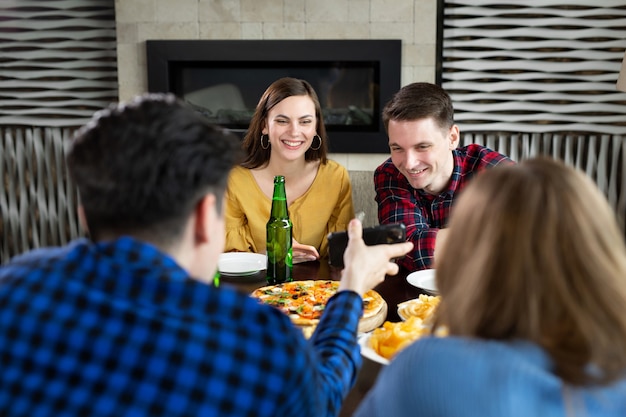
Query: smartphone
x=384 y=233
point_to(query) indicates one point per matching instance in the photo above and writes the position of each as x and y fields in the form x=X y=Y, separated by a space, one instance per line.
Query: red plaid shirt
x=424 y=214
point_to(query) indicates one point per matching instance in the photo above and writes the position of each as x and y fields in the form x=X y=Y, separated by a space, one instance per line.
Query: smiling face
x=291 y=126
x=421 y=150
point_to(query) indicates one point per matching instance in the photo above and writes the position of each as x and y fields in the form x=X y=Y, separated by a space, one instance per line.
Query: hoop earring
x=268 y=142
x=318 y=146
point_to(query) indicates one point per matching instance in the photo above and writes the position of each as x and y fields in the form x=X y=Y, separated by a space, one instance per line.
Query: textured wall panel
x=57 y=67
x=601 y=157
x=535 y=66
x=38 y=199
x=57 y=61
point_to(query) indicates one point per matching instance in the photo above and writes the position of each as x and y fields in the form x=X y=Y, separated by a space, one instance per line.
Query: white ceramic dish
x=368 y=352
x=241 y=263
x=416 y=308
x=424 y=279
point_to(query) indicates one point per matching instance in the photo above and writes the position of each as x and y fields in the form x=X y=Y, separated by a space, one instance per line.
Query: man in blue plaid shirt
x=128 y=323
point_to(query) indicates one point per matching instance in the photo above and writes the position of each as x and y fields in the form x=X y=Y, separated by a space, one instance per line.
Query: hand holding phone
x=382 y=234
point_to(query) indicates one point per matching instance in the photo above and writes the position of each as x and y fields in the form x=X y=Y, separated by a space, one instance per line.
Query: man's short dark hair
x=142 y=167
x=420 y=101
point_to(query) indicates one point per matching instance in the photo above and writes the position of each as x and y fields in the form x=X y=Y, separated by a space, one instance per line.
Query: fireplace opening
x=224 y=80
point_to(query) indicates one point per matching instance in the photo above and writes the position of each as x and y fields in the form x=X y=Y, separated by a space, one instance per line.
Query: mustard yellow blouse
x=325 y=207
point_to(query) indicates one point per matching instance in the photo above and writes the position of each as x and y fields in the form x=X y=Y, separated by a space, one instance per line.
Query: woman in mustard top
x=287 y=137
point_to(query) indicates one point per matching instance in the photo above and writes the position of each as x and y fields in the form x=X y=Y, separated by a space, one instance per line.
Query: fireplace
x=224 y=80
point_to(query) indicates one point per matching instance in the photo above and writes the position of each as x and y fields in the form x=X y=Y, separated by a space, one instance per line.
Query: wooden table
x=395 y=289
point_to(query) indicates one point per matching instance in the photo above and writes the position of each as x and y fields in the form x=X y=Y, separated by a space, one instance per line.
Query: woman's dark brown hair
x=534 y=253
x=280 y=89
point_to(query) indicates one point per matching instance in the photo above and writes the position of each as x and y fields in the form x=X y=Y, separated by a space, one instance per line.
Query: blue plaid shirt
x=119 y=329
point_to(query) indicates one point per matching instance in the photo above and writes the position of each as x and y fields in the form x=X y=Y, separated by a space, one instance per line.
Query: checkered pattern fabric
x=424 y=214
x=119 y=329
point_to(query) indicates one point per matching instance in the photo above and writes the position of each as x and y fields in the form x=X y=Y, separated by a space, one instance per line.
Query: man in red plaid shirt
x=418 y=185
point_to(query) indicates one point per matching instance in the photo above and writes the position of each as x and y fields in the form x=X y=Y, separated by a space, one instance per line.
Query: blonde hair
x=534 y=252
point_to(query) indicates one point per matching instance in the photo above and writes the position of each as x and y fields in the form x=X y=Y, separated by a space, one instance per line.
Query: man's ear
x=204 y=218
x=454 y=136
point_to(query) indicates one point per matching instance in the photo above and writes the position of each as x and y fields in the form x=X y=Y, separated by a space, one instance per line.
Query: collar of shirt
x=134 y=270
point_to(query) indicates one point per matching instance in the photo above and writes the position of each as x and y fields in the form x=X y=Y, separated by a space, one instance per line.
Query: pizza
x=304 y=301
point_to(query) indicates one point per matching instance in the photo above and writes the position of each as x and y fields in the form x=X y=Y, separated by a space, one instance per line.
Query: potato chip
x=389 y=339
x=423 y=307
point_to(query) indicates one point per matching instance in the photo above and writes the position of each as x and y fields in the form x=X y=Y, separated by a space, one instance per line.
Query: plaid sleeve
x=397 y=204
x=492 y=158
x=476 y=158
x=320 y=378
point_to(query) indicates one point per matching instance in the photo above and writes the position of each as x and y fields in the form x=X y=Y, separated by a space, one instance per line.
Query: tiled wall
x=412 y=21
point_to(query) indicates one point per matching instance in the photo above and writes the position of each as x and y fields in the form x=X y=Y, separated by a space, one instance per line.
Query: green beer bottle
x=279 y=252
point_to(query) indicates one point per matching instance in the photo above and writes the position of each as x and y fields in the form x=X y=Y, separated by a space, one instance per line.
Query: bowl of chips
x=417 y=316
x=391 y=338
x=423 y=307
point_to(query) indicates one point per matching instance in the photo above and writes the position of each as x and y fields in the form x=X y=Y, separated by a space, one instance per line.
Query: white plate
x=368 y=352
x=241 y=263
x=424 y=279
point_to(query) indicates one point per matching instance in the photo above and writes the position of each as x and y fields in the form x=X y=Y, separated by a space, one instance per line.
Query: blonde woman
x=533 y=287
x=287 y=137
